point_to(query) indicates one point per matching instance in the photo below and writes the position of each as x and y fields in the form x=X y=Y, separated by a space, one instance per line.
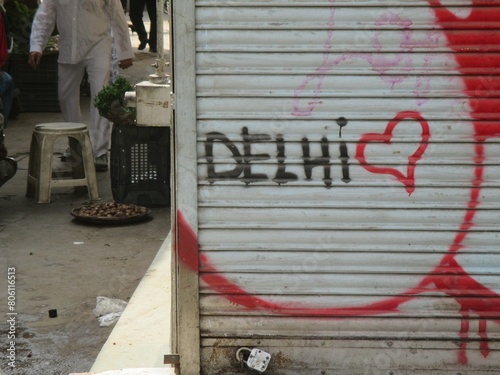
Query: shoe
x=142 y=45
x=8 y=168
x=153 y=50
x=101 y=163
x=3 y=151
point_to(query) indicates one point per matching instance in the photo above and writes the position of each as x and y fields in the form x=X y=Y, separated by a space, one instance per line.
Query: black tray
x=138 y=217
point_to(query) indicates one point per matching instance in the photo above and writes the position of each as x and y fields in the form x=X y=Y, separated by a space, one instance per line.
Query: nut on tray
x=110 y=213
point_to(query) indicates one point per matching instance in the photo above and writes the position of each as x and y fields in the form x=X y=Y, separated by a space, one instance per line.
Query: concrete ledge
x=142 y=336
x=132 y=371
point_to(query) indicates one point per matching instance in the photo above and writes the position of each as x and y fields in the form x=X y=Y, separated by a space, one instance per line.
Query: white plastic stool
x=41 y=179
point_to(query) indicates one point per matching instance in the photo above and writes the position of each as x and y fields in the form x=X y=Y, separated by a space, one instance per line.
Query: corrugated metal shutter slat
x=348 y=184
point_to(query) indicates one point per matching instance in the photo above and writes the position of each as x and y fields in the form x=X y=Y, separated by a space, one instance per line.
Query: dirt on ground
x=63 y=266
x=51 y=263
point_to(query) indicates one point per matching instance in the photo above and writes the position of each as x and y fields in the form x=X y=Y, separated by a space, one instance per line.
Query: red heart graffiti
x=409 y=179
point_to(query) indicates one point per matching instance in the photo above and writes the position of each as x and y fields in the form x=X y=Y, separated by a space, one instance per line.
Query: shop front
x=337 y=186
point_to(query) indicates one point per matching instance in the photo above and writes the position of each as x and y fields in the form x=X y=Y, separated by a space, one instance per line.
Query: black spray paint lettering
x=282 y=176
x=209 y=155
x=323 y=160
x=242 y=170
x=344 y=156
x=248 y=157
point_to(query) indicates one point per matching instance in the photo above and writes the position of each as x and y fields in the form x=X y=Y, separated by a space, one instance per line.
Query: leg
x=135 y=13
x=44 y=172
x=98 y=69
x=70 y=77
x=6 y=93
x=151 y=8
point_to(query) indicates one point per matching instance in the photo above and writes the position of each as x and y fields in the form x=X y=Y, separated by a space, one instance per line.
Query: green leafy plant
x=20 y=17
x=110 y=102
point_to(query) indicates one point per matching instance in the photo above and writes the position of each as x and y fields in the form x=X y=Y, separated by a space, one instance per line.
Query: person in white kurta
x=85 y=43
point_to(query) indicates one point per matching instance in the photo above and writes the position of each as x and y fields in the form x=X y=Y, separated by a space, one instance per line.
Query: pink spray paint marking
x=448 y=277
x=380 y=63
x=316 y=79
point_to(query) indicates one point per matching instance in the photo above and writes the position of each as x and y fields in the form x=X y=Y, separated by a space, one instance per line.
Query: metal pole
x=160 y=75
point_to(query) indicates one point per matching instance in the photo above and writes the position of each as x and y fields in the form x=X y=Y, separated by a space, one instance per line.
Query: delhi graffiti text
x=244 y=172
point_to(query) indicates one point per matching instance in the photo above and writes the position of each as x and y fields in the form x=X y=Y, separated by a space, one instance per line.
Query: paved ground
x=62 y=264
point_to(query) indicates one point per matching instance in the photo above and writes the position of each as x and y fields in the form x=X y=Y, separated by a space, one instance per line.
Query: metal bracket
x=172 y=100
x=174 y=360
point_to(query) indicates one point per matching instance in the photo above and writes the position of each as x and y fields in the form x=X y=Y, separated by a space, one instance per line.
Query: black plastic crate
x=39 y=97
x=140 y=165
x=22 y=72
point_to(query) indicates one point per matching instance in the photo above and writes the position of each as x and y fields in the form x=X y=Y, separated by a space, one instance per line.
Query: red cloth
x=4 y=50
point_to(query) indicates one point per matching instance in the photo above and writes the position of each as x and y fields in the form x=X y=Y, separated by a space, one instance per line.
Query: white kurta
x=85 y=41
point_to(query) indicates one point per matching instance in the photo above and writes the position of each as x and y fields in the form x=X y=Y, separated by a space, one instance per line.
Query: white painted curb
x=142 y=336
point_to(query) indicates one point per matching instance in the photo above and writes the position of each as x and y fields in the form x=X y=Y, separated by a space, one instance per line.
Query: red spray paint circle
x=467 y=29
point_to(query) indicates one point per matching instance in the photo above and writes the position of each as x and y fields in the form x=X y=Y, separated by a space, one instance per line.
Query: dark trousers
x=135 y=13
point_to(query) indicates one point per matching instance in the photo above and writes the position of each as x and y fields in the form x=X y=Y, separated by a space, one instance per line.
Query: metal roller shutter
x=347 y=184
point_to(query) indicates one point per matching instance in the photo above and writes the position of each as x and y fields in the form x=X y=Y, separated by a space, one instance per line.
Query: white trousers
x=97 y=66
